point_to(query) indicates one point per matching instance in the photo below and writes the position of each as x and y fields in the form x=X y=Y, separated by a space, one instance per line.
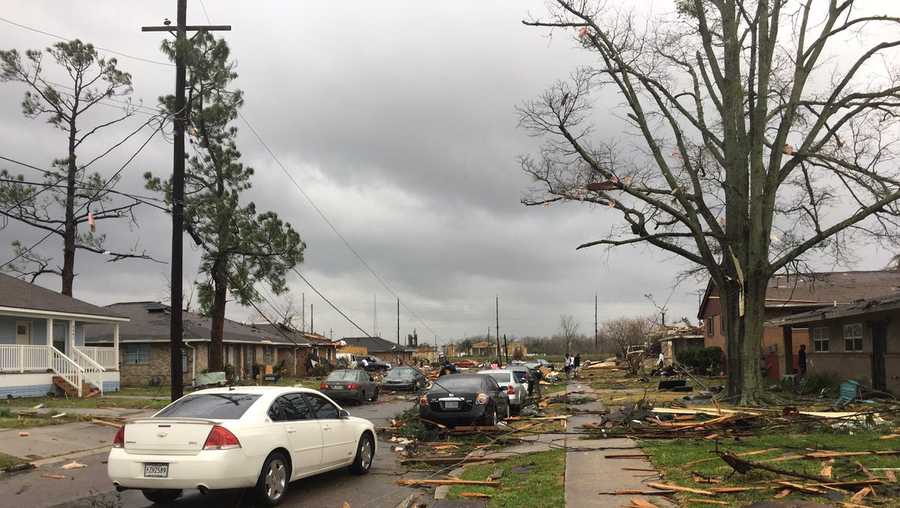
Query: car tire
x=365 y=455
x=161 y=496
x=274 y=479
x=515 y=410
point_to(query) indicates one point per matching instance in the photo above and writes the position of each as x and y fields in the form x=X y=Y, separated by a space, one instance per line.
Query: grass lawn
x=537 y=482
x=671 y=457
x=93 y=403
x=8 y=460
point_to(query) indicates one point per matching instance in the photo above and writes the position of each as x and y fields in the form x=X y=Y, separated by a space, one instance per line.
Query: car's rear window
x=455 y=382
x=218 y=406
x=401 y=374
x=521 y=376
x=500 y=377
x=342 y=375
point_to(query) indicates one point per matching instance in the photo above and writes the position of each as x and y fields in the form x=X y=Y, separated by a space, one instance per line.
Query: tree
x=755 y=138
x=84 y=197
x=241 y=246
x=568 y=328
x=626 y=332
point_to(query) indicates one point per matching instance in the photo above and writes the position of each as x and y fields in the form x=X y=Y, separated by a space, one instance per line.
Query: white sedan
x=239 y=437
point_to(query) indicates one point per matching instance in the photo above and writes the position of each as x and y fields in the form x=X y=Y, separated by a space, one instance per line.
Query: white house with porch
x=42 y=346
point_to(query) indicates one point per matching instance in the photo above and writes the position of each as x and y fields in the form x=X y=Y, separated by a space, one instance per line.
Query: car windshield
x=460 y=383
x=342 y=375
x=500 y=377
x=218 y=406
x=401 y=374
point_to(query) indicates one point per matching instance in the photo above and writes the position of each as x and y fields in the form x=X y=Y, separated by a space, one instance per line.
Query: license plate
x=156 y=470
x=451 y=404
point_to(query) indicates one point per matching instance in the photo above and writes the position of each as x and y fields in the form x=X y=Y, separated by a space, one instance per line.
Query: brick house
x=859 y=341
x=793 y=294
x=145 y=351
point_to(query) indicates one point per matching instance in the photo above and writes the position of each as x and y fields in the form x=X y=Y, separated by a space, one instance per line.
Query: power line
x=333 y=306
x=60 y=37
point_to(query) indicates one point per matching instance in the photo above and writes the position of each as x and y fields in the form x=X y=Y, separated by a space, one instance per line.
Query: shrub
x=5 y=412
x=707 y=360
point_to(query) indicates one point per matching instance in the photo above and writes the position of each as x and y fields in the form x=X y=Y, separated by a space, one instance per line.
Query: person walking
x=801 y=359
x=567 y=365
x=576 y=364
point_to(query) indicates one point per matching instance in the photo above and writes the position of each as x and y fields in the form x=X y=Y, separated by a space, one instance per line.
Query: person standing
x=801 y=359
x=567 y=365
x=576 y=364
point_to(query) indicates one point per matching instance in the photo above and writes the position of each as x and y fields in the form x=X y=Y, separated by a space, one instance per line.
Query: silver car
x=508 y=380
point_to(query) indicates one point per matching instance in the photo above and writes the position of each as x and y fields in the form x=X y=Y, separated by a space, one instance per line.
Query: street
x=91 y=488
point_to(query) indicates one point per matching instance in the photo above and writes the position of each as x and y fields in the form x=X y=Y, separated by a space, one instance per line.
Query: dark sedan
x=464 y=399
x=350 y=384
x=404 y=378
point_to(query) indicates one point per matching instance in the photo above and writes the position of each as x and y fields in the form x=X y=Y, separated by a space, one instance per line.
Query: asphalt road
x=90 y=487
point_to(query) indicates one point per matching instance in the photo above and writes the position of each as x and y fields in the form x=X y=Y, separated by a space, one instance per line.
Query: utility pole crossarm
x=188 y=28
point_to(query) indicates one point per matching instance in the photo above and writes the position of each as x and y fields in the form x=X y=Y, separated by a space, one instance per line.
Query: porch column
x=787 y=334
x=49 y=342
x=71 y=350
x=116 y=343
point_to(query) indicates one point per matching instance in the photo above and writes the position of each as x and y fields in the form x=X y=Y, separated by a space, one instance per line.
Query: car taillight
x=510 y=390
x=323 y=386
x=481 y=399
x=423 y=400
x=352 y=386
x=221 y=438
x=119 y=439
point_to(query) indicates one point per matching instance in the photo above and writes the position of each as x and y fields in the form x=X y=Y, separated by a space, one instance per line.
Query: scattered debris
x=679 y=488
x=98 y=421
x=58 y=415
x=51 y=476
x=24 y=434
x=479 y=495
x=74 y=465
x=452 y=481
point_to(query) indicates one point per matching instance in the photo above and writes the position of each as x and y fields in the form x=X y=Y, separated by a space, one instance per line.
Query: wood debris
x=708 y=501
x=74 y=465
x=679 y=488
x=454 y=481
x=479 y=495
x=50 y=476
x=98 y=421
x=863 y=492
x=637 y=502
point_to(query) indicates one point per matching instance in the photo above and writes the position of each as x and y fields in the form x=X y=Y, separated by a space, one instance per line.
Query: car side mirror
x=343 y=414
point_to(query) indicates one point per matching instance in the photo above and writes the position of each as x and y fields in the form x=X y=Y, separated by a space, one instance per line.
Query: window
x=268 y=355
x=226 y=406
x=820 y=339
x=137 y=354
x=710 y=326
x=289 y=407
x=853 y=340
x=323 y=409
x=721 y=325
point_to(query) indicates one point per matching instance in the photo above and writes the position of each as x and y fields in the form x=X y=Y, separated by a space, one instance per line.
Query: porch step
x=70 y=390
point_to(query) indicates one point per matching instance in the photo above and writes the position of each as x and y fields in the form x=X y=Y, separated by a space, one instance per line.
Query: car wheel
x=514 y=410
x=273 y=479
x=161 y=496
x=365 y=454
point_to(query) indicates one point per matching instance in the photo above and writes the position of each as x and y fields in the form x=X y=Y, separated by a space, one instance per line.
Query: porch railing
x=21 y=358
x=91 y=371
x=66 y=368
x=105 y=356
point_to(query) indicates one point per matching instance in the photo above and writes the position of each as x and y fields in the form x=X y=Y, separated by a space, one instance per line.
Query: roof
x=283 y=331
x=884 y=303
x=821 y=289
x=377 y=345
x=149 y=322
x=25 y=296
x=483 y=344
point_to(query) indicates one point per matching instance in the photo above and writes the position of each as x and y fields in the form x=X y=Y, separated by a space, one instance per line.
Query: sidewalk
x=588 y=472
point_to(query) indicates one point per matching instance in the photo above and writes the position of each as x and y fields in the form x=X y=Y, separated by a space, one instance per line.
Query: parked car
x=464 y=399
x=260 y=437
x=537 y=364
x=404 y=378
x=515 y=389
x=350 y=384
x=372 y=364
x=523 y=374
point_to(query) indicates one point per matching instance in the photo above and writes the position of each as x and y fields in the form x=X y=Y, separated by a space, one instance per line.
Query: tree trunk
x=744 y=337
x=71 y=229
x=220 y=290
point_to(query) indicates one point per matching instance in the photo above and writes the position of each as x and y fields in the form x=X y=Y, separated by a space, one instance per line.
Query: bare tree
x=626 y=332
x=756 y=133
x=83 y=197
x=568 y=328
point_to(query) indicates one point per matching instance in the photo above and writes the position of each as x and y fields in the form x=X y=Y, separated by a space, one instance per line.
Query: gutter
x=15 y=311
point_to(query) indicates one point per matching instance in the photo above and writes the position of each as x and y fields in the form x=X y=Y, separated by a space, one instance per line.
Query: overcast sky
x=399 y=122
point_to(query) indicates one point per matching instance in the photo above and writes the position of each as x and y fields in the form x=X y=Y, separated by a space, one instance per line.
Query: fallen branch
x=456 y=481
x=744 y=466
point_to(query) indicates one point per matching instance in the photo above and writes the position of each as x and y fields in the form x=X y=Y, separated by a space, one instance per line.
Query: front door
x=879 y=347
x=23 y=333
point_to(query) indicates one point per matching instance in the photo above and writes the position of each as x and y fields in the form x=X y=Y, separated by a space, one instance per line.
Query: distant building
x=386 y=350
x=484 y=349
x=677 y=338
x=426 y=353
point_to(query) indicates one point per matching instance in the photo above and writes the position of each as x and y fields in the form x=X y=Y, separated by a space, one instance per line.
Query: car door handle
x=291 y=430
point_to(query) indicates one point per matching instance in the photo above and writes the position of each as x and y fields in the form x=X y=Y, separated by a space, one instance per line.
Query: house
x=42 y=346
x=859 y=341
x=675 y=339
x=386 y=350
x=517 y=350
x=484 y=349
x=426 y=353
x=145 y=351
x=450 y=350
x=793 y=294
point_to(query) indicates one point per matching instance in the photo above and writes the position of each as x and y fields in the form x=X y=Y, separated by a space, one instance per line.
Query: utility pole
x=497 y=310
x=398 y=321
x=303 y=312
x=375 y=315
x=176 y=325
x=596 y=340
x=312 y=328
x=506 y=348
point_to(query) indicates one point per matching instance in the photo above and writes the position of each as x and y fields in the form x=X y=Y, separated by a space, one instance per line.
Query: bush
x=707 y=360
x=5 y=412
x=816 y=383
